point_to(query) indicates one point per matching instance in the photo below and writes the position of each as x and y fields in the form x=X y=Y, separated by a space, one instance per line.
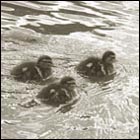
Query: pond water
x=70 y=32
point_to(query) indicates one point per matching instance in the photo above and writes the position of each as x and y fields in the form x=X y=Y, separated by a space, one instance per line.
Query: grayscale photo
x=69 y=69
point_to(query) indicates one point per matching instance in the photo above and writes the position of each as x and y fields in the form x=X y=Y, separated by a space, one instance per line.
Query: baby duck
x=61 y=94
x=58 y=93
x=33 y=71
x=97 y=67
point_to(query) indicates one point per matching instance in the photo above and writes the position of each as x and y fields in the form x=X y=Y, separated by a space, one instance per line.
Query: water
x=70 y=32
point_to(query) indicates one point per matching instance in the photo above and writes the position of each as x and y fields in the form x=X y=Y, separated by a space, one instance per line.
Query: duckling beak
x=53 y=66
x=50 y=64
x=115 y=60
x=73 y=85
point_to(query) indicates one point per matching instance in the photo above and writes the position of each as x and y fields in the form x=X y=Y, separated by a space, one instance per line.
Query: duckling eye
x=112 y=56
x=71 y=82
x=44 y=60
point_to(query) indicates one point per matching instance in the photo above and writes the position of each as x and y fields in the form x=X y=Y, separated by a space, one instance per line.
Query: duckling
x=58 y=93
x=33 y=71
x=97 y=67
x=61 y=94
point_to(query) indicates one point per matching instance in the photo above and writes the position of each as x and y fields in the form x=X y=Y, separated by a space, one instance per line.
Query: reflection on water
x=70 y=32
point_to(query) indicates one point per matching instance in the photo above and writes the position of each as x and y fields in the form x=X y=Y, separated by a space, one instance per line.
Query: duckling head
x=68 y=82
x=44 y=62
x=109 y=57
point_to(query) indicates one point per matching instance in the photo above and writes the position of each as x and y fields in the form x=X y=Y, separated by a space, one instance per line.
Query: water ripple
x=70 y=32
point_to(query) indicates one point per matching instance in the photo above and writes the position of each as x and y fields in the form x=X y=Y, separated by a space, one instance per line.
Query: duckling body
x=33 y=71
x=61 y=94
x=58 y=93
x=97 y=67
x=90 y=67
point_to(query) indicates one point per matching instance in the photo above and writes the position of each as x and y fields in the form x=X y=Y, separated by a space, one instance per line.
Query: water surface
x=70 y=32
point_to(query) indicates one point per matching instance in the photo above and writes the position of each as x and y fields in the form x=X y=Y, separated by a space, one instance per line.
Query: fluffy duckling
x=33 y=71
x=58 y=93
x=97 y=67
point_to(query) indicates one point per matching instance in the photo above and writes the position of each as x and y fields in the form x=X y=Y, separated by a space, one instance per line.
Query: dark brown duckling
x=97 y=67
x=58 y=93
x=33 y=71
